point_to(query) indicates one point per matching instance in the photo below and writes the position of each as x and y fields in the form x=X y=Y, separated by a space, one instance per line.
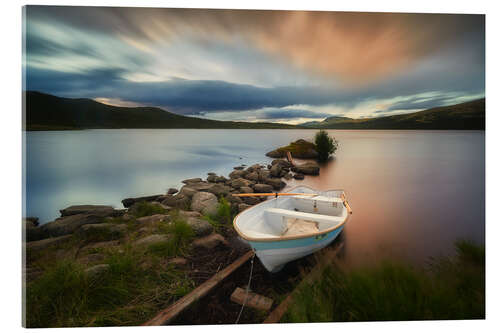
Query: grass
x=223 y=218
x=126 y=294
x=297 y=148
x=145 y=208
x=450 y=288
x=181 y=234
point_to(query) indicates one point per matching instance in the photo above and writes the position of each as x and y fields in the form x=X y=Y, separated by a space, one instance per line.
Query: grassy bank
x=448 y=288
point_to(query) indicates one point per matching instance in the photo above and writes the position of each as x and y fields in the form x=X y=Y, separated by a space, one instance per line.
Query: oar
x=270 y=194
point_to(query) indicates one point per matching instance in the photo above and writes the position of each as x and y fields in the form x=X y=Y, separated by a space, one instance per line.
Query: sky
x=248 y=65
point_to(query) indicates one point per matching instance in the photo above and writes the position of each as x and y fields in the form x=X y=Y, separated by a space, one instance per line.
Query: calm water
x=412 y=192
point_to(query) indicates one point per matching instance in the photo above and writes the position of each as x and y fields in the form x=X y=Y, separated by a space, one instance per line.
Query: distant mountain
x=464 y=116
x=48 y=112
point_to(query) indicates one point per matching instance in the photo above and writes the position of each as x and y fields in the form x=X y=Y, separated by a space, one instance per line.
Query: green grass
x=181 y=234
x=126 y=294
x=147 y=209
x=223 y=218
x=450 y=288
x=297 y=148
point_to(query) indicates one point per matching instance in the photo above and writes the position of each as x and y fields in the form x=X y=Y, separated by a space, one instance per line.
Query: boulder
x=192 y=180
x=246 y=189
x=233 y=200
x=202 y=186
x=276 y=154
x=241 y=167
x=263 y=175
x=205 y=203
x=178 y=201
x=220 y=179
x=253 y=176
x=172 y=190
x=130 y=201
x=288 y=176
x=153 y=239
x=102 y=231
x=275 y=170
x=298 y=176
x=68 y=224
x=200 y=227
x=134 y=209
x=242 y=207
x=31 y=231
x=177 y=261
x=98 y=210
x=276 y=183
x=281 y=163
x=240 y=182
x=31 y=220
x=47 y=242
x=237 y=174
x=212 y=178
x=188 y=191
x=188 y=213
x=97 y=270
x=153 y=219
x=210 y=242
x=219 y=189
x=263 y=188
x=254 y=167
x=299 y=149
x=251 y=200
x=308 y=168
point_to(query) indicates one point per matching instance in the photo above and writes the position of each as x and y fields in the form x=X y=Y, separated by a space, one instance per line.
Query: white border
x=11 y=153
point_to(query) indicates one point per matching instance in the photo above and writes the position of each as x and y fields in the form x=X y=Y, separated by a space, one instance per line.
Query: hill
x=464 y=116
x=48 y=112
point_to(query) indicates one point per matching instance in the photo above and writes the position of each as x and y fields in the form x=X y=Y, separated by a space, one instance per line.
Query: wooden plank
x=289 y=158
x=254 y=300
x=280 y=310
x=170 y=313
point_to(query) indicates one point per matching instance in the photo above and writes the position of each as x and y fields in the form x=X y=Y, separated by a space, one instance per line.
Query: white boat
x=292 y=226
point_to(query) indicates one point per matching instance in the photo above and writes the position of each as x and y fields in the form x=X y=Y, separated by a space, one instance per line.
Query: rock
x=240 y=182
x=246 y=189
x=205 y=203
x=134 y=209
x=253 y=176
x=276 y=183
x=299 y=149
x=237 y=174
x=31 y=231
x=288 y=176
x=68 y=224
x=282 y=163
x=201 y=186
x=101 y=245
x=177 y=261
x=212 y=178
x=92 y=258
x=178 y=201
x=47 y=242
x=98 y=210
x=263 y=175
x=241 y=167
x=102 y=231
x=199 y=226
x=254 y=168
x=221 y=179
x=127 y=217
x=153 y=239
x=298 y=176
x=153 y=219
x=172 y=190
x=242 y=207
x=308 y=168
x=211 y=174
x=220 y=190
x=263 y=188
x=192 y=180
x=251 y=200
x=97 y=270
x=187 y=191
x=233 y=200
x=187 y=213
x=130 y=201
x=276 y=170
x=210 y=242
x=276 y=154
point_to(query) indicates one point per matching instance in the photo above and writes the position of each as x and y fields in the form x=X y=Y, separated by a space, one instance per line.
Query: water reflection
x=412 y=192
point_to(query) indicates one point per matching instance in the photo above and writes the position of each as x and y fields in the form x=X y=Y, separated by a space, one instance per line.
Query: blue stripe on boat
x=260 y=246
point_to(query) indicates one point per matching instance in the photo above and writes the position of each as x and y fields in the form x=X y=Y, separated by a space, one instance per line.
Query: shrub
x=325 y=145
x=145 y=208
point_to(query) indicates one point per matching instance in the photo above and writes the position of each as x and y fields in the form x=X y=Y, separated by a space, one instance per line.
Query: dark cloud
x=291 y=113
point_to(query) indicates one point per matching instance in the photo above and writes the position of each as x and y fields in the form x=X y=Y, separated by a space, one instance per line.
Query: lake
x=413 y=193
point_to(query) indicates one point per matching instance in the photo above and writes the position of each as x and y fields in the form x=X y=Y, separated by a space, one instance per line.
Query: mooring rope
x=248 y=289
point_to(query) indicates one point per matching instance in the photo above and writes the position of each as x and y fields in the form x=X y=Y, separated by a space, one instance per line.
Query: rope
x=248 y=288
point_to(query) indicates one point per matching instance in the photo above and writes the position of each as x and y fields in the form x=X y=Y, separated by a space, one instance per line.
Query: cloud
x=355 y=48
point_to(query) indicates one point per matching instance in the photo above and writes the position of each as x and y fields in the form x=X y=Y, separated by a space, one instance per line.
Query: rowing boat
x=289 y=227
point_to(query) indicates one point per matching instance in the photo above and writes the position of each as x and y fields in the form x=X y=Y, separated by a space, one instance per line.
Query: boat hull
x=274 y=255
